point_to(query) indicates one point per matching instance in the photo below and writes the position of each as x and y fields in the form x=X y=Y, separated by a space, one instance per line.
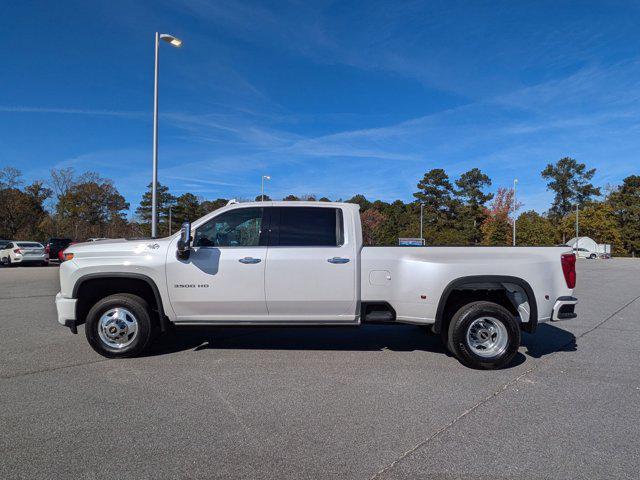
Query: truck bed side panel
x=403 y=275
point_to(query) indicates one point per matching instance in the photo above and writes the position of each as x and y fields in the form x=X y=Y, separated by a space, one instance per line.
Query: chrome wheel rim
x=487 y=337
x=118 y=328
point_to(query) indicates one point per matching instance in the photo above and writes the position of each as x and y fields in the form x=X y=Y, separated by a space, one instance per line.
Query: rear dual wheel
x=483 y=335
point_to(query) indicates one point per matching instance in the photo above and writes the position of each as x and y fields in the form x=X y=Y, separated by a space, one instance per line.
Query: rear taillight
x=46 y=249
x=568 y=261
x=17 y=250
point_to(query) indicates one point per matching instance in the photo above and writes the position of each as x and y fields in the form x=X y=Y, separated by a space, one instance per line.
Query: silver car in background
x=23 y=252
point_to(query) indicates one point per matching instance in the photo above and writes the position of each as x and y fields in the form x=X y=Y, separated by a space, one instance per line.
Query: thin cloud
x=70 y=111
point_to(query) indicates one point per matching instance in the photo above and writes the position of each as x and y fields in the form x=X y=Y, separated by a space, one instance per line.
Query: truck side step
x=378 y=312
x=379 y=316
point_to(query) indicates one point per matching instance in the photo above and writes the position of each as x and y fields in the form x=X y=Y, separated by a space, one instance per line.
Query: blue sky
x=329 y=98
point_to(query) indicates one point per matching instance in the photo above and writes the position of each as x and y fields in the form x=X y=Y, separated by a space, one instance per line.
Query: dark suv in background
x=55 y=245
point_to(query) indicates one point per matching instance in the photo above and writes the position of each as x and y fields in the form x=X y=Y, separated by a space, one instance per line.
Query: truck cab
x=268 y=263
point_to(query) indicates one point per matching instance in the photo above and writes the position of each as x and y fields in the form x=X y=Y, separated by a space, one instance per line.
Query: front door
x=223 y=278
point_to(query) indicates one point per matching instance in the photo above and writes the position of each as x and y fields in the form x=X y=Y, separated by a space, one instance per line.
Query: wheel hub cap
x=117 y=328
x=487 y=337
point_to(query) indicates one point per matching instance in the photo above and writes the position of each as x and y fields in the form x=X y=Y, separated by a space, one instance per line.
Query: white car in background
x=23 y=252
x=585 y=253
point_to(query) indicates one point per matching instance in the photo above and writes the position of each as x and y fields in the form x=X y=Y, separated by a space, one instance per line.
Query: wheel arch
x=471 y=280
x=110 y=280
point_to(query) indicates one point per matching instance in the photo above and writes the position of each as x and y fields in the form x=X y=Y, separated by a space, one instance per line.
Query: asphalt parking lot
x=375 y=402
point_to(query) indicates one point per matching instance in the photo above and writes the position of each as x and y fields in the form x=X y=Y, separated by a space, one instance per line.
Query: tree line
x=461 y=211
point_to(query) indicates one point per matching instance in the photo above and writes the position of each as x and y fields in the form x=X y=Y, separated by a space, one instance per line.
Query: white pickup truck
x=303 y=263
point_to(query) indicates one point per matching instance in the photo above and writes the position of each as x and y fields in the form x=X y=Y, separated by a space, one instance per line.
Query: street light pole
x=421 y=221
x=170 y=220
x=264 y=177
x=515 y=182
x=577 y=225
x=154 y=181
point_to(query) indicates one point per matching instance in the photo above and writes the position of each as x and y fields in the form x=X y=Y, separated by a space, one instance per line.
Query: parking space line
x=53 y=369
x=51 y=295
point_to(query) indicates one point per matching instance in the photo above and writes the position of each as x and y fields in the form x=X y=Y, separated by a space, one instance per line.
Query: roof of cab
x=294 y=203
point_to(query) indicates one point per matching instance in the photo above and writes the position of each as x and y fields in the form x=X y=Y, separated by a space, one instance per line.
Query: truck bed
x=413 y=279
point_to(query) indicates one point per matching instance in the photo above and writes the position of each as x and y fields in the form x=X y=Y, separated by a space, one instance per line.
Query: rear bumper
x=30 y=259
x=66 y=310
x=564 y=309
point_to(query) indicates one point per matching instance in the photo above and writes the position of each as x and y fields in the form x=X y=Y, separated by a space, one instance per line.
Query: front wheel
x=484 y=335
x=120 y=326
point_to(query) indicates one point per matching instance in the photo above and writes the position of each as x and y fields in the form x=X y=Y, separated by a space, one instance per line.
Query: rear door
x=311 y=266
x=5 y=252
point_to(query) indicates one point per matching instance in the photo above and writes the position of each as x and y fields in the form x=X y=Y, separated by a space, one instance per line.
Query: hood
x=119 y=246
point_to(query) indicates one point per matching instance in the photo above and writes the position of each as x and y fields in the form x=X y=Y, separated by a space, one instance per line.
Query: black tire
x=593 y=256
x=9 y=262
x=137 y=306
x=464 y=318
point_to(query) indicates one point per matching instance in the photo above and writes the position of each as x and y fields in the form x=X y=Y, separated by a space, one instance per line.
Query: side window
x=309 y=227
x=236 y=228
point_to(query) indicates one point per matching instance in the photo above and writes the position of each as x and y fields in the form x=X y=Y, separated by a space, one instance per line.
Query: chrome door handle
x=338 y=260
x=249 y=260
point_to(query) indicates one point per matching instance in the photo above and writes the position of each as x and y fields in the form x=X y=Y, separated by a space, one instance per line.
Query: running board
x=270 y=323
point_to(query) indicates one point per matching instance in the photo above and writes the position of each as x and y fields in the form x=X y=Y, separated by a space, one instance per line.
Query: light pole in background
x=176 y=42
x=264 y=177
x=170 y=220
x=576 y=225
x=515 y=205
x=421 y=221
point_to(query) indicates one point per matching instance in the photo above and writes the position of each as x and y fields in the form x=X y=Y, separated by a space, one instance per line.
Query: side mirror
x=184 y=244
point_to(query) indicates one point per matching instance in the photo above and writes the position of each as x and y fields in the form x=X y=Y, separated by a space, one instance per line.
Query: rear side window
x=308 y=227
x=29 y=245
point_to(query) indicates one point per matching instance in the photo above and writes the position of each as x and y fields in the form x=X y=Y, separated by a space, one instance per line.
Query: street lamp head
x=266 y=177
x=170 y=39
x=515 y=180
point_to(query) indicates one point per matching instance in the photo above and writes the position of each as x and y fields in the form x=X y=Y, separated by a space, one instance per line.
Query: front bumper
x=66 y=310
x=564 y=309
